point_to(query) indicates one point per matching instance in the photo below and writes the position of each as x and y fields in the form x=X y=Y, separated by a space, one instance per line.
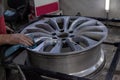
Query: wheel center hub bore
x=63 y=35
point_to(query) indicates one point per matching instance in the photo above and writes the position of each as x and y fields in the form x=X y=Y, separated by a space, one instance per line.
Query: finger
x=25 y=43
x=29 y=40
x=25 y=40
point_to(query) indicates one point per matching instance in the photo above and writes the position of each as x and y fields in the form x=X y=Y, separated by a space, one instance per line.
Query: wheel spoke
x=91 y=28
x=40 y=39
x=40 y=47
x=45 y=26
x=76 y=23
x=89 y=23
x=32 y=30
x=73 y=45
x=94 y=35
x=88 y=40
x=66 y=23
x=54 y=24
x=39 y=34
x=57 y=48
x=44 y=44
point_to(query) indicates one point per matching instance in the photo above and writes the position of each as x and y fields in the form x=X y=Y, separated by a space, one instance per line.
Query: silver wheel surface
x=72 y=44
x=66 y=34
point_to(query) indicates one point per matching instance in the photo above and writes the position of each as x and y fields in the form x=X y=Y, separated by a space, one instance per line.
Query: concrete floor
x=114 y=36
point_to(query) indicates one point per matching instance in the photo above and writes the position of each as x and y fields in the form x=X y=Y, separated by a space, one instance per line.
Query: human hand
x=19 y=39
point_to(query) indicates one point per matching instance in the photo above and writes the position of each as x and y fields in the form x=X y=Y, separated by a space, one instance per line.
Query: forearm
x=14 y=39
x=4 y=38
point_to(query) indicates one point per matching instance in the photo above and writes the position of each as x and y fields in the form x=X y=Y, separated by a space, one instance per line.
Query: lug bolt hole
x=72 y=35
x=63 y=39
x=54 y=37
x=54 y=34
x=70 y=31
